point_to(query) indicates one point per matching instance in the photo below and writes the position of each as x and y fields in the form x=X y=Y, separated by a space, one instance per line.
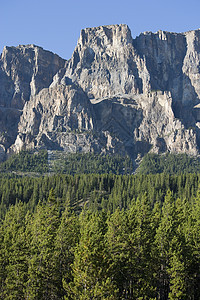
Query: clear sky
x=55 y=25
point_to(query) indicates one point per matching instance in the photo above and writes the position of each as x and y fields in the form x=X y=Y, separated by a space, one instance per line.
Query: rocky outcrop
x=60 y=117
x=115 y=95
x=24 y=71
x=105 y=63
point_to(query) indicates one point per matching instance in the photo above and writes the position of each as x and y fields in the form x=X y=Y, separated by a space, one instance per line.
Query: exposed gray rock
x=105 y=63
x=24 y=71
x=172 y=60
x=60 y=117
x=115 y=95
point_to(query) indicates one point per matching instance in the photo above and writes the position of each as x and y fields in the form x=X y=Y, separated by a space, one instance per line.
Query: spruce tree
x=142 y=256
x=118 y=247
x=14 y=253
x=44 y=278
x=66 y=239
x=91 y=280
x=170 y=245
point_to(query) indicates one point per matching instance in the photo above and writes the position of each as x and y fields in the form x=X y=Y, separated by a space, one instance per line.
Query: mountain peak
x=115 y=95
x=109 y=34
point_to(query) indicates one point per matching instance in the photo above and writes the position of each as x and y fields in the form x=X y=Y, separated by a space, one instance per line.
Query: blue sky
x=56 y=25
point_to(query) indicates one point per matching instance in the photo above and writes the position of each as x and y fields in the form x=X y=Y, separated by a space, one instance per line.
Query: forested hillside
x=100 y=237
x=57 y=162
x=43 y=161
x=26 y=161
x=169 y=163
x=106 y=191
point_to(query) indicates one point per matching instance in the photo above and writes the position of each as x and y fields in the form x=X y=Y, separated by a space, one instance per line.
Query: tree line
x=143 y=252
x=169 y=163
x=100 y=237
x=58 y=162
x=99 y=191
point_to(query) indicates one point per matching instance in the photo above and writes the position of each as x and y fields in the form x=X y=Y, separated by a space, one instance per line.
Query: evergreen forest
x=99 y=235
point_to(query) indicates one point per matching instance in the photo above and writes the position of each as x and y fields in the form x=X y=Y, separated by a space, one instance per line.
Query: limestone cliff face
x=57 y=118
x=105 y=63
x=115 y=95
x=173 y=61
x=24 y=71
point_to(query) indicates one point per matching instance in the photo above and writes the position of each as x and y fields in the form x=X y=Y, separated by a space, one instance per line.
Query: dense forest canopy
x=44 y=161
x=99 y=191
x=98 y=236
x=54 y=162
x=169 y=163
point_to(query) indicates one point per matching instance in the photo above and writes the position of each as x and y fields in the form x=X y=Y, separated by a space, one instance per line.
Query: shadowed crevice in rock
x=164 y=53
x=167 y=56
x=24 y=71
x=115 y=95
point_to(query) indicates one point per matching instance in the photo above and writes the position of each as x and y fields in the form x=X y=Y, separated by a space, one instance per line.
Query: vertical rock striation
x=115 y=95
x=24 y=71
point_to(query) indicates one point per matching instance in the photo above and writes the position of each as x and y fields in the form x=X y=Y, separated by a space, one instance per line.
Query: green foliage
x=14 y=253
x=76 y=163
x=106 y=191
x=65 y=245
x=169 y=163
x=26 y=161
x=44 y=280
x=100 y=237
x=70 y=163
x=91 y=280
x=171 y=246
x=148 y=251
x=88 y=163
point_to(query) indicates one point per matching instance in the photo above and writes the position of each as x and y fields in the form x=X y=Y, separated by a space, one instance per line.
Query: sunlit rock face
x=105 y=63
x=24 y=71
x=115 y=95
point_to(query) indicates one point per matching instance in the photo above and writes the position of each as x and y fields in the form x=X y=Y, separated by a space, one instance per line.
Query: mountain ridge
x=115 y=94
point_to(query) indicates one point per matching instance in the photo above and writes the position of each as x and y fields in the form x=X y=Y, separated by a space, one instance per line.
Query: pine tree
x=118 y=246
x=14 y=250
x=66 y=240
x=170 y=245
x=91 y=280
x=44 y=281
x=192 y=233
x=3 y=262
x=142 y=251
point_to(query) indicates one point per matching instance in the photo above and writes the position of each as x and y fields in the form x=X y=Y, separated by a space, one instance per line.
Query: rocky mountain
x=24 y=72
x=115 y=95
